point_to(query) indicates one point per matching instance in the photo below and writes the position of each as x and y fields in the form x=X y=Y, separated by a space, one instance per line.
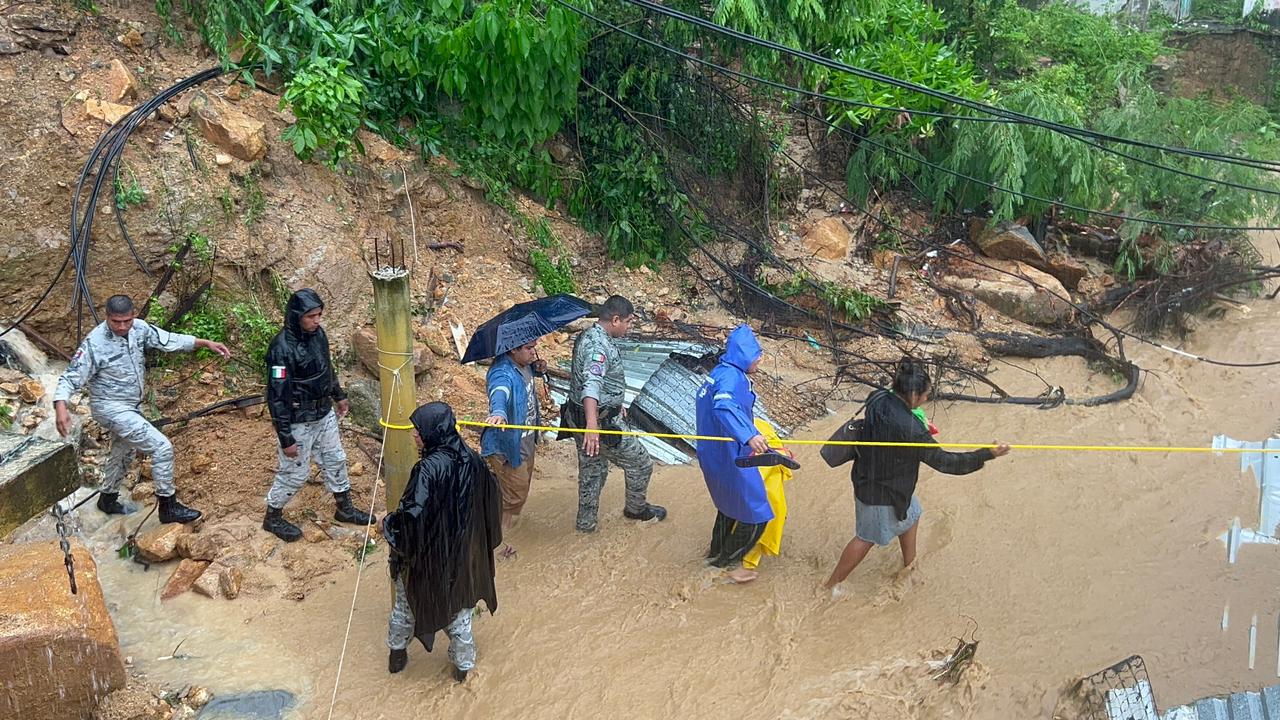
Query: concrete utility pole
x=393 y=321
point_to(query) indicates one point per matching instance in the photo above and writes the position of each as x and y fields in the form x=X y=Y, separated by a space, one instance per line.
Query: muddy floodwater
x=1060 y=563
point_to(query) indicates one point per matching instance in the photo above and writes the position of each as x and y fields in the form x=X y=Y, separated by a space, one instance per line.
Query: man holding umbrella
x=512 y=337
x=513 y=400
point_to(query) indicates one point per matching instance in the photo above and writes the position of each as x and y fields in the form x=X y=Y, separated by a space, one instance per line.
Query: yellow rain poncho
x=774 y=477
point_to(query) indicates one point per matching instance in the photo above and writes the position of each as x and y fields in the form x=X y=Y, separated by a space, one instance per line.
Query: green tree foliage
x=503 y=66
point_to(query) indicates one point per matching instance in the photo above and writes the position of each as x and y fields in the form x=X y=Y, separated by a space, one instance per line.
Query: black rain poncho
x=443 y=533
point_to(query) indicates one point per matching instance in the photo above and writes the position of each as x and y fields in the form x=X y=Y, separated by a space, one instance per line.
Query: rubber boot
x=346 y=512
x=459 y=675
x=172 y=511
x=109 y=503
x=649 y=512
x=275 y=524
x=397 y=660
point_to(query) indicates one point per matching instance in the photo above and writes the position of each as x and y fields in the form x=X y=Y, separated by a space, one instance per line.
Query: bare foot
x=741 y=576
x=506 y=552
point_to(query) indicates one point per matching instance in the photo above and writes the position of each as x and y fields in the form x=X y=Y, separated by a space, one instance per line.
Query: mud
x=1065 y=562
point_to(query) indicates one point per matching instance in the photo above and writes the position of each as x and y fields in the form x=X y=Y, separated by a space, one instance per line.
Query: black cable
x=922 y=161
x=1075 y=132
x=124 y=231
x=942 y=249
x=106 y=154
x=1084 y=311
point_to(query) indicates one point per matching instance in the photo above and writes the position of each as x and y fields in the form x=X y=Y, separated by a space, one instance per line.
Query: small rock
x=82 y=409
x=314 y=533
x=9 y=388
x=667 y=314
x=142 y=491
x=212 y=543
x=131 y=39
x=222 y=159
x=119 y=83
x=197 y=697
x=829 y=239
x=235 y=92
x=30 y=390
x=160 y=544
x=229 y=581
x=200 y=463
x=107 y=112
x=207 y=583
x=66 y=75
x=183 y=578
x=356 y=470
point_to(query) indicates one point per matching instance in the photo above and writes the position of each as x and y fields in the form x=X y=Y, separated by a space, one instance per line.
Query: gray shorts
x=879 y=524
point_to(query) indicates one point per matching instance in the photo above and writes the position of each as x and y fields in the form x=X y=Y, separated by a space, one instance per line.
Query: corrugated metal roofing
x=1263 y=705
x=663 y=388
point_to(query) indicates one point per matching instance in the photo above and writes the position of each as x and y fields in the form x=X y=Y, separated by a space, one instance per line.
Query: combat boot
x=109 y=503
x=275 y=524
x=172 y=511
x=459 y=675
x=650 y=512
x=346 y=512
x=397 y=660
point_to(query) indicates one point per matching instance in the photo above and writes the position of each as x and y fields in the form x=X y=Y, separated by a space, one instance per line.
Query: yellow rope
x=876 y=443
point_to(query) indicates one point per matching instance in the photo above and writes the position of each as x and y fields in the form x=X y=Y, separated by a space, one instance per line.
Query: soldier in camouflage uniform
x=595 y=403
x=110 y=363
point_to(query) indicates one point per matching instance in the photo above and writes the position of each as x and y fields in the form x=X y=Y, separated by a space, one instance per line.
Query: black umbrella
x=523 y=323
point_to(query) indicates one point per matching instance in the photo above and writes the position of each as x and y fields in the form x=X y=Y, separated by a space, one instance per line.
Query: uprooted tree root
x=1205 y=273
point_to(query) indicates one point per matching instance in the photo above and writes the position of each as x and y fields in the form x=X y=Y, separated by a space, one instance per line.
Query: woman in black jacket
x=884 y=478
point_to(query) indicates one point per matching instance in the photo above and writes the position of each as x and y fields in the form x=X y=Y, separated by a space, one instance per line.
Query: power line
x=1069 y=130
x=1017 y=193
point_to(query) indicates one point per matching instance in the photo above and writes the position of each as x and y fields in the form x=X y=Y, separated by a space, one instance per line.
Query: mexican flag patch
x=278 y=372
x=597 y=357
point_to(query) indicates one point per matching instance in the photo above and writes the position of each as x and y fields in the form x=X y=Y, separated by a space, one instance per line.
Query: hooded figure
x=442 y=537
x=725 y=409
x=301 y=391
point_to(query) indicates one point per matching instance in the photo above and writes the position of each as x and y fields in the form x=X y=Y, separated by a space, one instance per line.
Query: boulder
x=183 y=577
x=228 y=128
x=829 y=239
x=1008 y=292
x=1008 y=241
x=1067 y=269
x=366 y=400
x=38 y=473
x=365 y=343
x=59 y=654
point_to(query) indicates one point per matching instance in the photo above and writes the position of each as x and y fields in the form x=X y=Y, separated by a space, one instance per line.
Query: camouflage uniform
x=112 y=368
x=462 y=643
x=597 y=373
